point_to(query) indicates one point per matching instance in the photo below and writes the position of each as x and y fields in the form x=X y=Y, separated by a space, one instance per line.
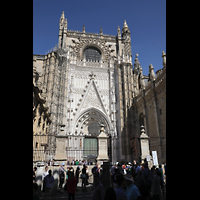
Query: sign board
x=148 y=158
x=155 y=157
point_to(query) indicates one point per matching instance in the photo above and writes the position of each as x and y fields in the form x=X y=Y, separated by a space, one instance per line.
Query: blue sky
x=146 y=20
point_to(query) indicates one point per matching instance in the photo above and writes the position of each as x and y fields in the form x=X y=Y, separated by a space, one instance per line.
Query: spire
x=125 y=24
x=63 y=15
x=62 y=31
x=126 y=36
x=125 y=28
x=118 y=33
x=62 y=18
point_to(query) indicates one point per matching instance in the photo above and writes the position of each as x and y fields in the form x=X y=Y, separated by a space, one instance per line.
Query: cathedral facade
x=87 y=81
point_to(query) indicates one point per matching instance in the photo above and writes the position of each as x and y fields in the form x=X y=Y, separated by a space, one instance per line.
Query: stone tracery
x=89 y=116
x=82 y=44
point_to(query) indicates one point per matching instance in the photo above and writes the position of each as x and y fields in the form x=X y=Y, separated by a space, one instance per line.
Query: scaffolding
x=55 y=77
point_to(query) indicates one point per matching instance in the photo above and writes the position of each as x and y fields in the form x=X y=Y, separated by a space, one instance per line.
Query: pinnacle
x=63 y=15
x=125 y=24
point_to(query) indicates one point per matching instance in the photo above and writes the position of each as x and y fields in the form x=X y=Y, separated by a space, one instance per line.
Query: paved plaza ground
x=82 y=195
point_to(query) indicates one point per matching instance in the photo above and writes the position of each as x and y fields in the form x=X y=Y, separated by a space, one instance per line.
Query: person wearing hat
x=132 y=190
x=61 y=176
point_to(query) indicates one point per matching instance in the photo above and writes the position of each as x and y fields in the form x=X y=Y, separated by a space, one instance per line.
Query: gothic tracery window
x=92 y=54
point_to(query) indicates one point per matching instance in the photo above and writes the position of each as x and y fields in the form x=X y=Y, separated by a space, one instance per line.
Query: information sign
x=155 y=158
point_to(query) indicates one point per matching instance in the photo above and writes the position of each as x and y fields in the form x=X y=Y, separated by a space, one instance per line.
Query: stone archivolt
x=86 y=117
x=81 y=44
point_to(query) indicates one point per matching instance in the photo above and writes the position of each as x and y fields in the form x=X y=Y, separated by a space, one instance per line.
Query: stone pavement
x=82 y=195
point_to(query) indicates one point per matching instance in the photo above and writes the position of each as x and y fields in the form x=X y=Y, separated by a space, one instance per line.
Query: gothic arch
x=88 y=116
x=86 y=46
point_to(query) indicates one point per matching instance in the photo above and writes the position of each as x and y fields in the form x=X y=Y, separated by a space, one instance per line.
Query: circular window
x=92 y=54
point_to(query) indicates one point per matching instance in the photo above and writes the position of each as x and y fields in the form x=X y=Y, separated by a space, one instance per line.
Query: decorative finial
x=152 y=75
x=118 y=33
x=164 y=59
x=83 y=29
x=63 y=15
x=142 y=83
x=102 y=128
x=137 y=66
x=125 y=24
x=142 y=129
x=118 y=29
x=62 y=18
x=125 y=29
x=163 y=54
x=101 y=31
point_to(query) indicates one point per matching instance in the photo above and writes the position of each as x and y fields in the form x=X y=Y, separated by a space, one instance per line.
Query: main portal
x=90 y=147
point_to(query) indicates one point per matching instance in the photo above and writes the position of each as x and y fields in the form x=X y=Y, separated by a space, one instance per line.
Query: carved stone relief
x=80 y=45
x=90 y=116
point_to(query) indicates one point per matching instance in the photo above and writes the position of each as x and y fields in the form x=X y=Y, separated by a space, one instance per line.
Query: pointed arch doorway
x=88 y=125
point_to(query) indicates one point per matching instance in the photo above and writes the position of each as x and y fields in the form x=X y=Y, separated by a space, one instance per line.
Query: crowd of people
x=139 y=182
x=129 y=181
